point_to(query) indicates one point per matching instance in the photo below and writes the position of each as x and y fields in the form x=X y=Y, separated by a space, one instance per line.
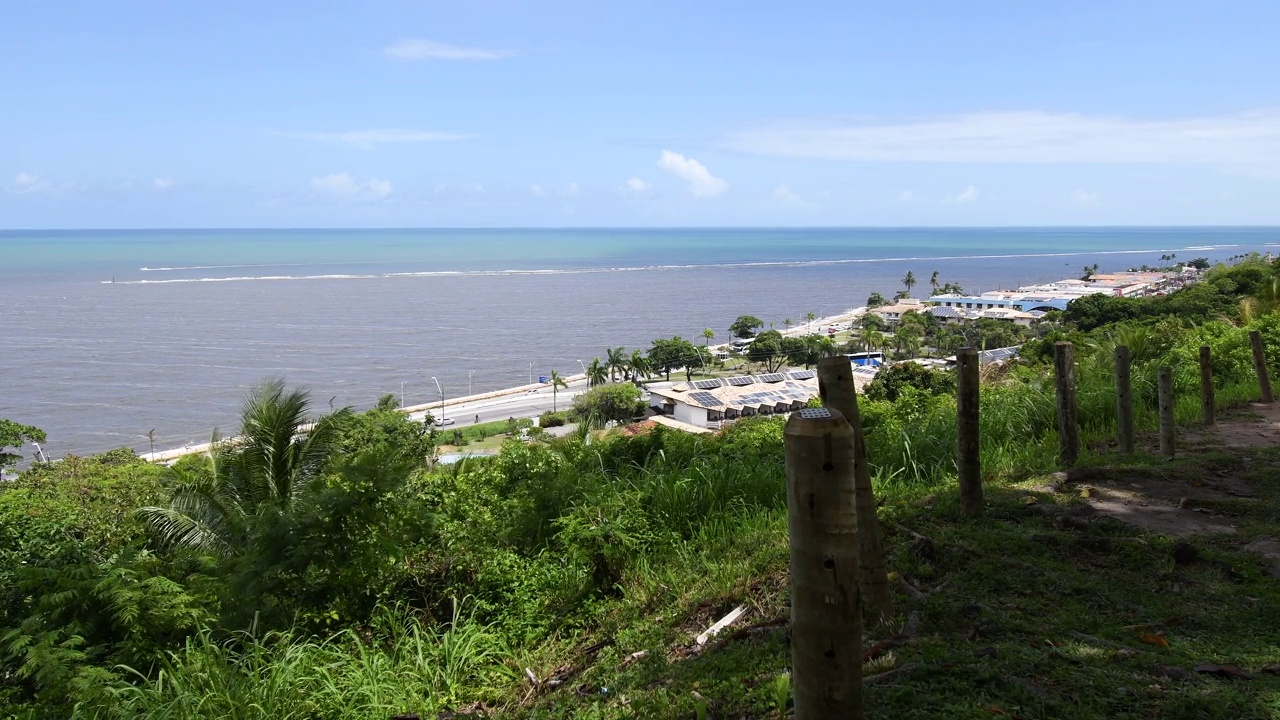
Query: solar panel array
x=785 y=396
x=987 y=356
x=706 y=399
x=803 y=374
x=707 y=384
x=742 y=380
x=773 y=377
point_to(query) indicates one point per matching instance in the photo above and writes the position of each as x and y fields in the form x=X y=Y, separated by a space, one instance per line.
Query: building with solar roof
x=713 y=403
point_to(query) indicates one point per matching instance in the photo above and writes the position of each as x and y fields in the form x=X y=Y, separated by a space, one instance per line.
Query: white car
x=444 y=421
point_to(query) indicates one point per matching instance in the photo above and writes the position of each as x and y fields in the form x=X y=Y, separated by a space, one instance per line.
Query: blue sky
x=293 y=114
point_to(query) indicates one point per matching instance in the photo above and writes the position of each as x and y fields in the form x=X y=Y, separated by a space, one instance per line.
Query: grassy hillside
x=338 y=574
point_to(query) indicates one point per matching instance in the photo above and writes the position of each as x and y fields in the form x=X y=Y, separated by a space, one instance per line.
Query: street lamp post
x=441 y=390
x=530 y=372
x=469 y=374
x=584 y=367
x=401 y=393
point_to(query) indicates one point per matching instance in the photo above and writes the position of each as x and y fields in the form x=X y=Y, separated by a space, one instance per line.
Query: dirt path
x=1192 y=499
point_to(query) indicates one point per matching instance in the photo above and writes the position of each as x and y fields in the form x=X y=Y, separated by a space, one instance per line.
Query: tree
x=608 y=403
x=557 y=382
x=876 y=300
x=933 y=282
x=14 y=435
x=1199 y=263
x=767 y=350
x=788 y=323
x=616 y=361
x=909 y=282
x=745 y=326
x=890 y=381
x=809 y=317
x=597 y=373
x=1089 y=271
x=667 y=355
x=952 y=289
x=707 y=336
x=254 y=478
x=640 y=366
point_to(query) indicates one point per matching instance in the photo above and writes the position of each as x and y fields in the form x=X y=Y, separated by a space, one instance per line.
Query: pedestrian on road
x=477 y=420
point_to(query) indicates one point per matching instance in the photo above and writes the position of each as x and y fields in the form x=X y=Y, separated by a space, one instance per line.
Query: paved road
x=522 y=405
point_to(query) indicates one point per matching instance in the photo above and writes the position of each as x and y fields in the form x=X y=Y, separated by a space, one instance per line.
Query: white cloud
x=537 y=190
x=907 y=196
x=1249 y=139
x=636 y=186
x=1086 y=197
x=412 y=49
x=969 y=194
x=473 y=188
x=163 y=183
x=26 y=183
x=370 y=138
x=701 y=182
x=571 y=190
x=344 y=187
x=784 y=194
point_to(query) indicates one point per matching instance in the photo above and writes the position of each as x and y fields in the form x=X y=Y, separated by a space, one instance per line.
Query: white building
x=713 y=403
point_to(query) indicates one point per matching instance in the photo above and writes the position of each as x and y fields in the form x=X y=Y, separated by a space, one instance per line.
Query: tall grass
x=398 y=664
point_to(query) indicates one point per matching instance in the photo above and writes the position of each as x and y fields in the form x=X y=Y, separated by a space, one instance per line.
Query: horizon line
x=637 y=227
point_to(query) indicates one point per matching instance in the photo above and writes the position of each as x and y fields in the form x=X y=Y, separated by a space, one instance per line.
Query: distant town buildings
x=1026 y=304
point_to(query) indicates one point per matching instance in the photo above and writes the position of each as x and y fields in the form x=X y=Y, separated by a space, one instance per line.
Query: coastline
x=472 y=402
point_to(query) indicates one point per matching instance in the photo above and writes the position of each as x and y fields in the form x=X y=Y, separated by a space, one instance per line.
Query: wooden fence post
x=968 y=461
x=1206 y=385
x=826 y=600
x=1165 y=392
x=1260 y=365
x=1124 y=400
x=1068 y=431
x=836 y=388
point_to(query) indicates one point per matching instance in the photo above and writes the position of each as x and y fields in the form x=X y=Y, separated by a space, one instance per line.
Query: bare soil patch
x=1178 y=505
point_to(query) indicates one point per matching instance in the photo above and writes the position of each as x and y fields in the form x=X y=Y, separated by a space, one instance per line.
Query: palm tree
x=616 y=361
x=933 y=282
x=786 y=324
x=707 y=336
x=256 y=476
x=1089 y=271
x=597 y=373
x=557 y=382
x=809 y=317
x=909 y=282
x=827 y=348
x=639 y=364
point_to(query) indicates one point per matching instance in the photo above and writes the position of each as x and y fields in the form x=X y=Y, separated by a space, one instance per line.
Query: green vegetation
x=337 y=573
x=745 y=326
x=14 y=435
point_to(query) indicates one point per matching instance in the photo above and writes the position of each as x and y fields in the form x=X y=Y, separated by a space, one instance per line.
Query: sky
x=485 y=114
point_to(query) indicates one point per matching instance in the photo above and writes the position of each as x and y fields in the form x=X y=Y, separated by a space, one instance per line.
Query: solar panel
x=706 y=399
x=773 y=377
x=742 y=380
x=815 y=414
x=803 y=374
x=706 y=384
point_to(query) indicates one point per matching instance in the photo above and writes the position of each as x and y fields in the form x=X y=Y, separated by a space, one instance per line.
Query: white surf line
x=644 y=268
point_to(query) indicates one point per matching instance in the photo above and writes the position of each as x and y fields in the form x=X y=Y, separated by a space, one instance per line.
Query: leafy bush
x=890 y=381
x=552 y=419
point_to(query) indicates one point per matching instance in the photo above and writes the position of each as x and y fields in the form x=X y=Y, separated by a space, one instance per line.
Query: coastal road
x=521 y=405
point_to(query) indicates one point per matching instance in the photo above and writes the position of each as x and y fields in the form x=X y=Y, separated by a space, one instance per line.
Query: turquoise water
x=110 y=334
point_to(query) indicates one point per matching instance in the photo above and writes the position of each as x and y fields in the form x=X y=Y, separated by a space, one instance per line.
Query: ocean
x=110 y=334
